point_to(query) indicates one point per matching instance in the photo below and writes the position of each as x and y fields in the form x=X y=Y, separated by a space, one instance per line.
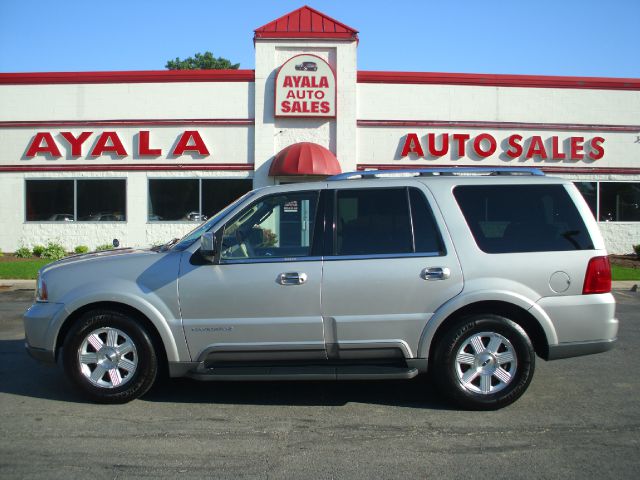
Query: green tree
x=202 y=61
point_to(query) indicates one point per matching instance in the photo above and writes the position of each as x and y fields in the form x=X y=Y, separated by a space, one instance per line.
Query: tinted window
x=426 y=233
x=102 y=200
x=50 y=200
x=619 y=202
x=174 y=200
x=589 y=191
x=277 y=226
x=522 y=218
x=371 y=222
x=217 y=194
x=96 y=200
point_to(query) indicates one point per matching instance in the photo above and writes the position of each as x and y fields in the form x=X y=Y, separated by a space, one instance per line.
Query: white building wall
x=500 y=104
x=273 y=134
x=124 y=101
x=227 y=144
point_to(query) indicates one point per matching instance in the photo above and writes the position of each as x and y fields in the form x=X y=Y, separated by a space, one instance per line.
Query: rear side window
x=522 y=218
x=384 y=221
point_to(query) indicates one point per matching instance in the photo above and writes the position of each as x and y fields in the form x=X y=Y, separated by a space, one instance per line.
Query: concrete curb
x=17 y=284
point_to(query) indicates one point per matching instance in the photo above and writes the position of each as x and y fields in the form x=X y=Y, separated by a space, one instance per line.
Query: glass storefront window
x=217 y=194
x=101 y=200
x=192 y=200
x=76 y=200
x=50 y=201
x=174 y=200
x=619 y=202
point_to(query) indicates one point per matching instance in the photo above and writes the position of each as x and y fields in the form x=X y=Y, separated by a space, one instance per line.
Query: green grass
x=29 y=269
x=624 y=273
x=22 y=270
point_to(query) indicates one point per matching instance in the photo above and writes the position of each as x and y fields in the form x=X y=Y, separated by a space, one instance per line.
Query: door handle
x=435 y=273
x=292 y=278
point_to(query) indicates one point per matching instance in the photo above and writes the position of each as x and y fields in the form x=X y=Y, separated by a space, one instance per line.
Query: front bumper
x=40 y=354
x=41 y=322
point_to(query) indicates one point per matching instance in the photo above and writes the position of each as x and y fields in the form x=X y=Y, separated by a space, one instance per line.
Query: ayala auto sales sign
x=305 y=87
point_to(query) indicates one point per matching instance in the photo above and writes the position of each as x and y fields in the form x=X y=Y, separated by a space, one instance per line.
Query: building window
x=192 y=199
x=76 y=200
x=101 y=200
x=612 y=201
x=619 y=202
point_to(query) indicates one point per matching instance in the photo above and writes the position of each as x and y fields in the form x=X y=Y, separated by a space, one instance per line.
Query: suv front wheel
x=110 y=357
x=484 y=362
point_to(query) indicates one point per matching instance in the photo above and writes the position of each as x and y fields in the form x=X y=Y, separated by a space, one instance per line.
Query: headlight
x=41 y=290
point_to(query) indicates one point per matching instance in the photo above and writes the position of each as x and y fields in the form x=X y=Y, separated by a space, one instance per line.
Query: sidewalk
x=6 y=285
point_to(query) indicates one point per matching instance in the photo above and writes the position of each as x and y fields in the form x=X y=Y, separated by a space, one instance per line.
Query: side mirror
x=208 y=246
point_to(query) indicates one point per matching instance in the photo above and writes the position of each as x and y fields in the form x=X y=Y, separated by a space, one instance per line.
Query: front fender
x=164 y=318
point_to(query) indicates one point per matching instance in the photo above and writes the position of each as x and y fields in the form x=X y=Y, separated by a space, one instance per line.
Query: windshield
x=197 y=232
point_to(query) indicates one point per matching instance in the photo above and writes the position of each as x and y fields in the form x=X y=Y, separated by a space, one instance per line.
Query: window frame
x=315 y=238
x=75 y=200
x=331 y=249
x=483 y=242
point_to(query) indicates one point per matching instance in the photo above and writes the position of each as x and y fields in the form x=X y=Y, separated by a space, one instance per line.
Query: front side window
x=277 y=226
x=522 y=218
x=76 y=200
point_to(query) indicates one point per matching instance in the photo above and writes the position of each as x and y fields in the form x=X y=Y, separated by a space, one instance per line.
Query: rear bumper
x=581 y=320
x=576 y=349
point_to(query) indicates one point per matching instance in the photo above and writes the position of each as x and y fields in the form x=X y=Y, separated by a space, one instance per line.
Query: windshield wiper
x=166 y=246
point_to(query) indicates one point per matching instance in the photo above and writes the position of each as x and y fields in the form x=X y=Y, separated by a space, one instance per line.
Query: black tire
x=128 y=372
x=483 y=380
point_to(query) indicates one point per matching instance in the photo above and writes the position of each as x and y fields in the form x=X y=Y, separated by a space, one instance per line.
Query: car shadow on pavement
x=23 y=376
x=416 y=393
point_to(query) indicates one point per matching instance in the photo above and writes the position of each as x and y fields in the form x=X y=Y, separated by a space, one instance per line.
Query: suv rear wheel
x=110 y=357
x=484 y=362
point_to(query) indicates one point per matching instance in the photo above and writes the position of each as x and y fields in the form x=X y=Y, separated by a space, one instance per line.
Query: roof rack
x=426 y=172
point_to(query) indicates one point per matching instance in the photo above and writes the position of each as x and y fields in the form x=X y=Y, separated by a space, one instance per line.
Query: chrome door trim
x=383 y=256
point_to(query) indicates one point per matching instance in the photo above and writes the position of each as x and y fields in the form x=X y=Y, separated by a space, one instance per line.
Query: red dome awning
x=304 y=158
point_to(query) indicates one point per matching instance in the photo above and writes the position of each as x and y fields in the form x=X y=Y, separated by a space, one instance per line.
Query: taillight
x=598 y=277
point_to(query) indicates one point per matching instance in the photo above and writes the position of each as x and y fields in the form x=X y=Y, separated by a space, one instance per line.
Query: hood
x=98 y=256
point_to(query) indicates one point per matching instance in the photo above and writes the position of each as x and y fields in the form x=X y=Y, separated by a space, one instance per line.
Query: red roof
x=304 y=158
x=305 y=22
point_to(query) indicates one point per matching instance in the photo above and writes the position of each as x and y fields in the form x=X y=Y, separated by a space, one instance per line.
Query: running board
x=341 y=372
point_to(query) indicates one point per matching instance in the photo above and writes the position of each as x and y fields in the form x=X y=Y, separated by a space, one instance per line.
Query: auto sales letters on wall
x=305 y=87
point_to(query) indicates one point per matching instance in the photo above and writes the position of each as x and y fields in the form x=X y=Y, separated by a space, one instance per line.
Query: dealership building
x=142 y=156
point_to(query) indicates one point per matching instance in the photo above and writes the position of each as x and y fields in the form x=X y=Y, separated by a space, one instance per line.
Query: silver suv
x=466 y=273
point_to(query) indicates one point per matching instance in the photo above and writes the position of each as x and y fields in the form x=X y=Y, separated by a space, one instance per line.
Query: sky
x=543 y=37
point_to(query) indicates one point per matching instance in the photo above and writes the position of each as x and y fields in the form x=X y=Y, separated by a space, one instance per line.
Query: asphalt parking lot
x=579 y=419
